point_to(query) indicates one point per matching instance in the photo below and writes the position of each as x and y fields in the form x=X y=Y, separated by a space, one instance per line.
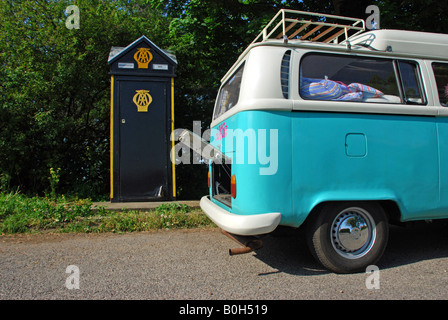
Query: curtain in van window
x=339 y=77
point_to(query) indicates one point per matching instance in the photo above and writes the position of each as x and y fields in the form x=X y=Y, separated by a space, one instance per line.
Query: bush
x=19 y=213
x=22 y=214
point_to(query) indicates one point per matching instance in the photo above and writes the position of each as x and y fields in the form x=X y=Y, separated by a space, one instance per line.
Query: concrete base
x=141 y=205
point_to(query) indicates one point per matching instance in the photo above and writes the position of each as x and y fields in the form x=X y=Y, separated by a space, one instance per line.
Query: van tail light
x=208 y=179
x=233 y=186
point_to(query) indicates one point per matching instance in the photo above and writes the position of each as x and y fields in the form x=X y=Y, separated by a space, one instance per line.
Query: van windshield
x=230 y=93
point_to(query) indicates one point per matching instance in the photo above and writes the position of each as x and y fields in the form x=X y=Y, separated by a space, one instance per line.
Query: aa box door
x=143 y=139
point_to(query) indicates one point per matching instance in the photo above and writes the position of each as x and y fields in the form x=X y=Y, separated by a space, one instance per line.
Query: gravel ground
x=195 y=265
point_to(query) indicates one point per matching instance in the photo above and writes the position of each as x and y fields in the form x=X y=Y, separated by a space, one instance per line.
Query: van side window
x=410 y=79
x=284 y=73
x=230 y=92
x=348 y=78
x=441 y=75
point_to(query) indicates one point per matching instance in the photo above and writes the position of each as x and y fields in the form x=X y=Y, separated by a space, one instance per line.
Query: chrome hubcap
x=353 y=233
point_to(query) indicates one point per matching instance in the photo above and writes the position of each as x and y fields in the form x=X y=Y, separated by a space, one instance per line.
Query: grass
x=23 y=214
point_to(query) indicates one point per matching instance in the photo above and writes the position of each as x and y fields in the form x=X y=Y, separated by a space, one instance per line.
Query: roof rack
x=293 y=24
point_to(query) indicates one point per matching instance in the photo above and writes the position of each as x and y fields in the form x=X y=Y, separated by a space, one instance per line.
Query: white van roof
x=412 y=43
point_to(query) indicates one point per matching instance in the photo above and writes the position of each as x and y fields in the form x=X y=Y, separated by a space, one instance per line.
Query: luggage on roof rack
x=293 y=24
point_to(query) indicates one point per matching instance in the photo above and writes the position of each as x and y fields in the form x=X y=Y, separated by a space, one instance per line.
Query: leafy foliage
x=55 y=102
x=19 y=213
x=22 y=214
x=418 y=15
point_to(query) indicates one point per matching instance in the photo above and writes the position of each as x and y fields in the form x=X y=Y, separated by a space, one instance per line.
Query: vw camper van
x=329 y=127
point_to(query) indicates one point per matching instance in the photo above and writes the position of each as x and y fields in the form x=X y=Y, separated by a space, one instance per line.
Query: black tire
x=346 y=237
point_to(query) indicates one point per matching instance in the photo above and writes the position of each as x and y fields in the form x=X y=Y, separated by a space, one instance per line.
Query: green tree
x=55 y=89
x=417 y=15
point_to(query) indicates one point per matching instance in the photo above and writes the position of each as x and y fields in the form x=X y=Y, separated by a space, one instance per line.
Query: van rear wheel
x=346 y=237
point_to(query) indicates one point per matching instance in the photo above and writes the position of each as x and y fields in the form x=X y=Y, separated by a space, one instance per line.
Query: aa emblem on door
x=142 y=99
x=143 y=57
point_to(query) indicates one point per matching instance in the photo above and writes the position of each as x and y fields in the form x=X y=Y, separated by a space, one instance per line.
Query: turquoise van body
x=326 y=157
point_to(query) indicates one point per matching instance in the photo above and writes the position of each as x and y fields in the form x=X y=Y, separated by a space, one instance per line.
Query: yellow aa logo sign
x=142 y=99
x=143 y=57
